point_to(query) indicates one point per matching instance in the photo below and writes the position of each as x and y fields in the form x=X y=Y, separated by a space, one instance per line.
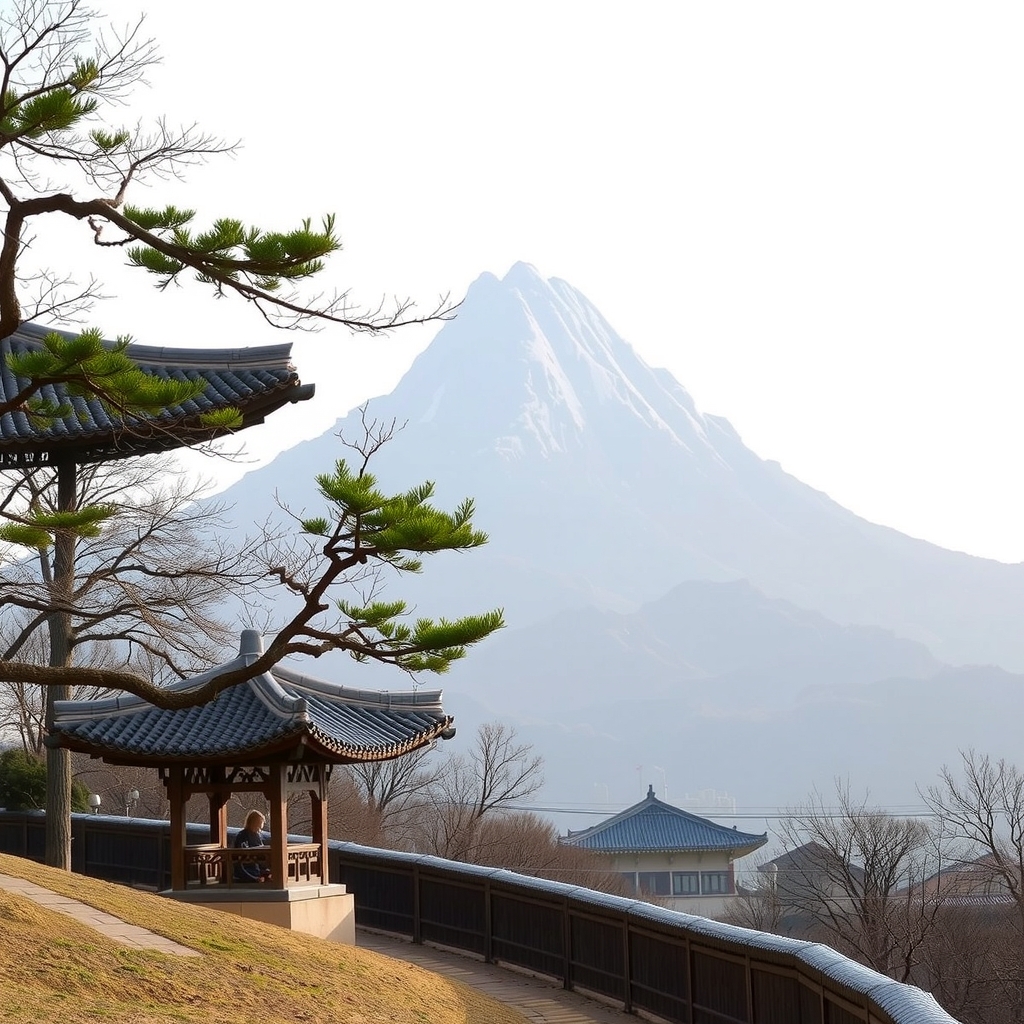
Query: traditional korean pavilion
x=278 y=734
x=253 y=381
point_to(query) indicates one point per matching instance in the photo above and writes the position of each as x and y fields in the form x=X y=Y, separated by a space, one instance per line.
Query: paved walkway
x=539 y=1000
x=113 y=927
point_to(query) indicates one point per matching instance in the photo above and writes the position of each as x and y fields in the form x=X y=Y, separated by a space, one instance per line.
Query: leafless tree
x=23 y=707
x=117 y=785
x=146 y=587
x=434 y=800
x=983 y=805
x=856 y=874
x=525 y=842
x=498 y=771
x=350 y=818
x=970 y=962
x=758 y=903
x=392 y=792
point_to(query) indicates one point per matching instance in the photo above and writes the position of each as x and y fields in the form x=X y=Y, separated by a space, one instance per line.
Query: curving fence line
x=665 y=964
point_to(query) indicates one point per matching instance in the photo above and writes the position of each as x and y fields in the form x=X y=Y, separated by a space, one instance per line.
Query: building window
x=715 y=882
x=685 y=883
x=654 y=883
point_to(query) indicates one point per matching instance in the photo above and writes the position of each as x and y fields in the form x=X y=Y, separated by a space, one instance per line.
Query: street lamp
x=94 y=802
x=130 y=800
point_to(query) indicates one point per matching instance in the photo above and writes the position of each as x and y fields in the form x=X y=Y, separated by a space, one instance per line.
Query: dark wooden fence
x=673 y=966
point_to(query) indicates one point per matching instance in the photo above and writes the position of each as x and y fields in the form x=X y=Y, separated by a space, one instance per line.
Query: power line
x=748 y=814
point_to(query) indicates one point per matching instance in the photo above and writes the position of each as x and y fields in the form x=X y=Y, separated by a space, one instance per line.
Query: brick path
x=539 y=1000
x=113 y=927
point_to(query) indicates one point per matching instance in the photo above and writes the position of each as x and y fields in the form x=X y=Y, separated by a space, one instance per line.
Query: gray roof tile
x=268 y=714
x=256 y=381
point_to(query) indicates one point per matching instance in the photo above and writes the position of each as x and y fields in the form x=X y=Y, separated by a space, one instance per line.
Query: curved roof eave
x=318 y=744
x=421 y=700
x=267 y=715
x=740 y=849
x=255 y=381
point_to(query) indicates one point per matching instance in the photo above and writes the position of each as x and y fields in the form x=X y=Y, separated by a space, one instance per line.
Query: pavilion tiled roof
x=653 y=826
x=256 y=381
x=280 y=715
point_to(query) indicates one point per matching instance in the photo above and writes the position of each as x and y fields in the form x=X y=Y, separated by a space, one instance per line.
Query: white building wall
x=710 y=873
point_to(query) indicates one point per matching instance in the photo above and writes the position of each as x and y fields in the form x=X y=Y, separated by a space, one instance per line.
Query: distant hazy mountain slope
x=601 y=483
x=885 y=738
x=703 y=643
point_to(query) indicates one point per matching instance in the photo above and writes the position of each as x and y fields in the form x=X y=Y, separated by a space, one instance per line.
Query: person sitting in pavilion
x=247 y=839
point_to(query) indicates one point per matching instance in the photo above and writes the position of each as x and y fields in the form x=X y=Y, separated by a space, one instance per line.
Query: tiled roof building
x=276 y=734
x=653 y=826
x=683 y=860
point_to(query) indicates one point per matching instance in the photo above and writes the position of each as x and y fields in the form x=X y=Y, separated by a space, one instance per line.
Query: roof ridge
x=185 y=356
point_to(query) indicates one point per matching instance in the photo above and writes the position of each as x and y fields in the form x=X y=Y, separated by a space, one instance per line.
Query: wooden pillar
x=318 y=812
x=278 y=827
x=219 y=808
x=59 y=625
x=176 y=798
x=219 y=818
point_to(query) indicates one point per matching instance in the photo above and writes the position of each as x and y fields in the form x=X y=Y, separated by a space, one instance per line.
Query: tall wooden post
x=318 y=812
x=218 y=808
x=59 y=626
x=176 y=798
x=278 y=827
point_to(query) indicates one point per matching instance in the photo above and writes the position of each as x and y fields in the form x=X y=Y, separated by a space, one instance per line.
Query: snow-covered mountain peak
x=534 y=365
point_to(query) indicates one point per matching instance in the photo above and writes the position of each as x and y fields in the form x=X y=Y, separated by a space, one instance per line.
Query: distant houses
x=681 y=860
x=975 y=883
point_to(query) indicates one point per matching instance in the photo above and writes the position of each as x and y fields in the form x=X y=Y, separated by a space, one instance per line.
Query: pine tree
x=64 y=157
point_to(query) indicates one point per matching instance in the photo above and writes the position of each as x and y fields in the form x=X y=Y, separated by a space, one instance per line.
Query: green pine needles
x=230 y=251
x=84 y=366
x=39 y=529
x=369 y=525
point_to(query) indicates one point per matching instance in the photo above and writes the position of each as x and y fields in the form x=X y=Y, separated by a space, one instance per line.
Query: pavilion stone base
x=327 y=911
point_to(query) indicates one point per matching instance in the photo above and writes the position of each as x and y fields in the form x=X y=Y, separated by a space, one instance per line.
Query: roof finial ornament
x=250 y=643
x=650 y=790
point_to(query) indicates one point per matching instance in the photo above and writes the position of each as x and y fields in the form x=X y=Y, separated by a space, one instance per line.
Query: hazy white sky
x=811 y=213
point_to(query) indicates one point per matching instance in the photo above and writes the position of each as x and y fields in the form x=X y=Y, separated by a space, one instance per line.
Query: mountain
x=601 y=484
x=707 y=644
x=672 y=599
x=888 y=738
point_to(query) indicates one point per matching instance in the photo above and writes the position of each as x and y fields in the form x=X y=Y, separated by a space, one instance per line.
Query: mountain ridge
x=601 y=482
x=670 y=595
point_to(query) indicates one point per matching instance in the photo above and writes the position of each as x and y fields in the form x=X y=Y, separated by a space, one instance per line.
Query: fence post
x=566 y=946
x=417 y=932
x=627 y=969
x=488 y=924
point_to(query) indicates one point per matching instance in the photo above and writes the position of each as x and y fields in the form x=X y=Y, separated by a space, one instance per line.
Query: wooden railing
x=210 y=864
x=671 y=965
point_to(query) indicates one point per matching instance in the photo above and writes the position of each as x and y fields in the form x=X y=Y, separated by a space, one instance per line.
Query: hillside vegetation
x=54 y=968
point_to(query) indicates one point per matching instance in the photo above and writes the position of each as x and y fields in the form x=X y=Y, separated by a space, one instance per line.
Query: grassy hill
x=53 y=968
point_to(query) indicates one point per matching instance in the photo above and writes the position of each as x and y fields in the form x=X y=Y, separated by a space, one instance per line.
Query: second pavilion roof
x=283 y=715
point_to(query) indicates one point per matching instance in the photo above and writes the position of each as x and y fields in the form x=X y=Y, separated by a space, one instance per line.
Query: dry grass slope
x=53 y=968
